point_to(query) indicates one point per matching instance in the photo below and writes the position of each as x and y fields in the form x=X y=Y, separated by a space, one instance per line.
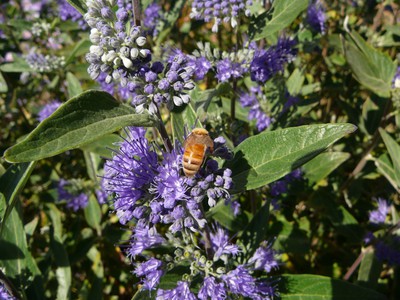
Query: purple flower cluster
x=150 y=191
x=386 y=246
x=267 y=63
x=220 y=10
x=4 y=295
x=378 y=216
x=228 y=69
x=251 y=100
x=169 y=85
x=44 y=63
x=71 y=192
x=48 y=109
x=161 y=194
x=68 y=12
x=151 y=18
x=316 y=17
x=222 y=282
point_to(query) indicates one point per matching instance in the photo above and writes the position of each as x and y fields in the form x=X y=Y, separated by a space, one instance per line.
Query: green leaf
x=183 y=119
x=15 y=258
x=256 y=231
x=372 y=68
x=268 y=156
x=295 y=82
x=322 y=165
x=3 y=84
x=19 y=65
x=80 y=5
x=169 y=19
x=290 y=238
x=385 y=167
x=394 y=152
x=284 y=12
x=73 y=85
x=103 y=145
x=80 y=48
x=11 y=184
x=314 y=287
x=223 y=214
x=93 y=213
x=63 y=270
x=79 y=121
x=370 y=269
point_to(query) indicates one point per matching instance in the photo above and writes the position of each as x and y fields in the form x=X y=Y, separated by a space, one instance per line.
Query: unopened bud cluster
x=44 y=63
x=117 y=44
x=220 y=11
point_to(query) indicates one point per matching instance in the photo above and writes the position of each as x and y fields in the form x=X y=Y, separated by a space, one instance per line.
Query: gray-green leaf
x=79 y=121
x=268 y=156
x=283 y=14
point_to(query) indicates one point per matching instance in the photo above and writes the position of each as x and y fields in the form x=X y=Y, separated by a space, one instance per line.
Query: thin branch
x=136 y=12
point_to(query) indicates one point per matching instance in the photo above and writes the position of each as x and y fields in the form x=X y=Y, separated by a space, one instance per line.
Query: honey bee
x=196 y=145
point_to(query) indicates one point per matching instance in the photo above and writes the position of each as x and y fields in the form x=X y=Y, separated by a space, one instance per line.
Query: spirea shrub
x=199 y=149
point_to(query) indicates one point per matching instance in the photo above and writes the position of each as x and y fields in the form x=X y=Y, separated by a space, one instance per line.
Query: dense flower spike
x=220 y=10
x=118 y=45
x=267 y=63
x=316 y=16
x=70 y=191
x=48 y=109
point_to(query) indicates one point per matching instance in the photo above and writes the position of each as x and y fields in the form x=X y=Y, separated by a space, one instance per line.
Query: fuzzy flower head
x=378 y=216
x=264 y=258
x=118 y=46
x=181 y=291
x=220 y=10
x=267 y=63
x=72 y=193
x=48 y=109
x=151 y=270
x=316 y=17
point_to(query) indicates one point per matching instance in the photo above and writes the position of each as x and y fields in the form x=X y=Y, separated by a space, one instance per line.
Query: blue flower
x=181 y=292
x=378 y=216
x=129 y=174
x=267 y=63
x=316 y=16
x=4 y=295
x=263 y=121
x=152 y=17
x=144 y=237
x=48 y=109
x=69 y=191
x=221 y=245
x=68 y=12
x=211 y=289
x=264 y=258
x=240 y=282
x=151 y=271
x=227 y=69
